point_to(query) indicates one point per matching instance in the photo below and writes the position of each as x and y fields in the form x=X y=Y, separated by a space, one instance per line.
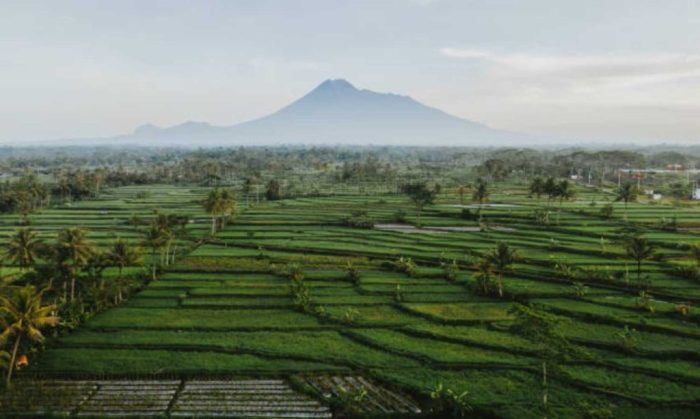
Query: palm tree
x=481 y=194
x=483 y=275
x=421 y=195
x=551 y=188
x=639 y=249
x=227 y=206
x=502 y=257
x=626 y=193
x=564 y=192
x=274 y=190
x=460 y=192
x=537 y=187
x=543 y=330
x=695 y=253
x=213 y=207
x=481 y=191
x=25 y=316
x=155 y=240
x=122 y=255
x=23 y=247
x=247 y=189
x=74 y=251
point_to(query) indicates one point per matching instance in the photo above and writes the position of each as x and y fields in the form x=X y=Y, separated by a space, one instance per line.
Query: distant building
x=656 y=196
x=696 y=193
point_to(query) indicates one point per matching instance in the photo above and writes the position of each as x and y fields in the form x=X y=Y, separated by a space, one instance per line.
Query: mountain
x=335 y=112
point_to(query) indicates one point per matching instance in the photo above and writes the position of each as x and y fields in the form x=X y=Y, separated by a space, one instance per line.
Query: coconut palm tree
x=626 y=193
x=154 y=240
x=537 y=187
x=639 y=249
x=227 y=206
x=483 y=275
x=212 y=205
x=695 y=253
x=122 y=255
x=565 y=192
x=481 y=194
x=247 y=189
x=502 y=257
x=460 y=193
x=421 y=195
x=23 y=247
x=73 y=252
x=543 y=330
x=25 y=316
x=551 y=189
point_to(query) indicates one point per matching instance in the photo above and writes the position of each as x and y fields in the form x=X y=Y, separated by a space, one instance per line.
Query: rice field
x=223 y=312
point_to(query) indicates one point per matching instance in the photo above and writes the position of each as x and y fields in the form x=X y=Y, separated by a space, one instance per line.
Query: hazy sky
x=595 y=69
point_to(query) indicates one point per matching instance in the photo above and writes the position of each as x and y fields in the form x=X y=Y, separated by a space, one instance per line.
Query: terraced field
x=225 y=310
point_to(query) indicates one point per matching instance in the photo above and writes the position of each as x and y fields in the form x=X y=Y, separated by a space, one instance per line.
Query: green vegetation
x=366 y=266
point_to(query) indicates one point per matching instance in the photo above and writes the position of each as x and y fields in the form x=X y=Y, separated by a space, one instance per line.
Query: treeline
x=77 y=173
x=596 y=166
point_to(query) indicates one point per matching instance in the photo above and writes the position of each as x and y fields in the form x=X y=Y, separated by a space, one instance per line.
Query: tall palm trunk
x=153 y=264
x=120 y=296
x=11 y=367
x=639 y=270
x=172 y=255
x=72 y=285
x=545 y=391
x=213 y=225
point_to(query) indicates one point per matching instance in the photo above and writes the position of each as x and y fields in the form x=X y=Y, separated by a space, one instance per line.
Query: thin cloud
x=605 y=68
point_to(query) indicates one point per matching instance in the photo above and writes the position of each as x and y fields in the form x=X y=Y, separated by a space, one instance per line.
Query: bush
x=351 y=315
x=359 y=219
x=398 y=296
x=353 y=273
x=687 y=272
x=451 y=270
x=467 y=214
x=399 y=216
x=606 y=211
x=449 y=403
x=406 y=265
x=627 y=339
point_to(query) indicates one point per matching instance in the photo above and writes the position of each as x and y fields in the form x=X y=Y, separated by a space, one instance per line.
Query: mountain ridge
x=334 y=112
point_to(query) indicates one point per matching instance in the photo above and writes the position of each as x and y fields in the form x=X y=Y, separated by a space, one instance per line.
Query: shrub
x=644 y=301
x=398 y=296
x=580 y=289
x=399 y=216
x=467 y=214
x=295 y=272
x=451 y=270
x=683 y=309
x=627 y=339
x=359 y=219
x=351 y=315
x=565 y=270
x=687 y=272
x=406 y=265
x=448 y=402
x=353 y=273
x=606 y=211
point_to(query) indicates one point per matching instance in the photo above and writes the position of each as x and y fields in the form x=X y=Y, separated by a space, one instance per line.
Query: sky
x=594 y=70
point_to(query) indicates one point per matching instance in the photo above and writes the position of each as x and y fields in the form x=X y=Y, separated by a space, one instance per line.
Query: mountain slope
x=336 y=112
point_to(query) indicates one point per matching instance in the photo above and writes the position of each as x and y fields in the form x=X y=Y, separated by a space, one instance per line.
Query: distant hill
x=335 y=112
